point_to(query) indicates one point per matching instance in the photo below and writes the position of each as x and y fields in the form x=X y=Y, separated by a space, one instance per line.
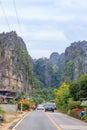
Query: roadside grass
x=9 y=117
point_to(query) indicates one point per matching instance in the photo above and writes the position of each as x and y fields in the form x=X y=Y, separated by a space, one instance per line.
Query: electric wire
x=5 y=15
x=18 y=21
x=6 y=19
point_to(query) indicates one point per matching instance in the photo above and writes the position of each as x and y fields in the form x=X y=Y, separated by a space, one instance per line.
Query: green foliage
x=27 y=105
x=83 y=86
x=1 y=111
x=62 y=97
x=73 y=90
x=41 y=95
x=84 y=117
x=43 y=70
x=21 y=95
x=56 y=79
x=74 y=104
x=55 y=68
x=28 y=68
x=68 y=71
x=47 y=73
x=16 y=69
x=26 y=59
x=36 y=83
x=80 y=69
x=75 y=112
x=83 y=78
x=12 y=101
x=78 y=89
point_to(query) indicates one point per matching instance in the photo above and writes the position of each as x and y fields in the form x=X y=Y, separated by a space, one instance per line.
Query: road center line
x=54 y=123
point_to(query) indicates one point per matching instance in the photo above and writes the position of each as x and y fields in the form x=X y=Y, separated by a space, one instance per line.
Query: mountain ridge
x=20 y=72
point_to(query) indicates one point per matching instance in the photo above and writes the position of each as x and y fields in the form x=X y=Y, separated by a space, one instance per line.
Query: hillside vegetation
x=39 y=78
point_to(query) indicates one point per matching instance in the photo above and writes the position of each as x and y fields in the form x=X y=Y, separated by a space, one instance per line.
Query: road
x=40 y=120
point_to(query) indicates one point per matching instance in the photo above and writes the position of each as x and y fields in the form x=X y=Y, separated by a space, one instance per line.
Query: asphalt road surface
x=40 y=120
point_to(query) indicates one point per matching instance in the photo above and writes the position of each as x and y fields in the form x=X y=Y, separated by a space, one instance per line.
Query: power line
x=6 y=19
x=5 y=15
x=17 y=17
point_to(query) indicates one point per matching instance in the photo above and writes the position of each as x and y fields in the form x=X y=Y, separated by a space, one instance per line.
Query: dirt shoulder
x=11 y=120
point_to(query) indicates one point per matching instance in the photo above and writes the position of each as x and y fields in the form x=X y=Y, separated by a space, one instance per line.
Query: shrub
x=12 y=101
x=76 y=112
x=1 y=114
x=84 y=117
x=1 y=111
x=27 y=105
x=74 y=104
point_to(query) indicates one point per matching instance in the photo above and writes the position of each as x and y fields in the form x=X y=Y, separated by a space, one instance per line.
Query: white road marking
x=19 y=122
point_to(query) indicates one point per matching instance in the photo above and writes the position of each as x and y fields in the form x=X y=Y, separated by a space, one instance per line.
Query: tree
x=78 y=89
x=73 y=90
x=68 y=71
x=62 y=97
x=41 y=95
x=83 y=86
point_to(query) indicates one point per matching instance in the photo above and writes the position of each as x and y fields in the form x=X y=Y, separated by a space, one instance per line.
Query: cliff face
x=73 y=63
x=16 y=70
x=68 y=66
x=12 y=68
x=54 y=57
x=77 y=54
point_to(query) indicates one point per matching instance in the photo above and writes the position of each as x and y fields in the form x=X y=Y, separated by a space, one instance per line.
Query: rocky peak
x=12 y=68
x=12 y=40
x=76 y=49
x=54 y=58
x=76 y=59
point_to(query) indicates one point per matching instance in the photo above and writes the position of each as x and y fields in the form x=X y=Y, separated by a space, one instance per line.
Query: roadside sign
x=21 y=101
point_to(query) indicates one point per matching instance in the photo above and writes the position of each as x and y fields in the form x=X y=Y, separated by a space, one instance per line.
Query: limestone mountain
x=16 y=70
x=46 y=72
x=75 y=63
x=68 y=66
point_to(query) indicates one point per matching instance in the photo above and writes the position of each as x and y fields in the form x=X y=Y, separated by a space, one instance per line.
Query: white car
x=40 y=107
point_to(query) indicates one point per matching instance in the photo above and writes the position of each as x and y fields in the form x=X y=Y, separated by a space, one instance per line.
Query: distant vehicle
x=40 y=107
x=49 y=107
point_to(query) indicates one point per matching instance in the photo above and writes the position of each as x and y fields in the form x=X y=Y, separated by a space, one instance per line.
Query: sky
x=46 y=26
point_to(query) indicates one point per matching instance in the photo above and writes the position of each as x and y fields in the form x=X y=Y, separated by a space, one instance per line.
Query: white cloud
x=47 y=25
x=44 y=13
x=47 y=35
x=73 y=4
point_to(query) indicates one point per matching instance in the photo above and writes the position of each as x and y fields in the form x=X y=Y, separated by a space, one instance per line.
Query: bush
x=75 y=112
x=12 y=101
x=26 y=106
x=84 y=117
x=1 y=111
x=1 y=114
x=74 y=104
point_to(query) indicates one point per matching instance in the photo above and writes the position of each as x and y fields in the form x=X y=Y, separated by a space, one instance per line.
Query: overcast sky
x=46 y=26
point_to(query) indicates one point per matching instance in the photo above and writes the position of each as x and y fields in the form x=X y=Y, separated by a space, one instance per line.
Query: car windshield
x=49 y=104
